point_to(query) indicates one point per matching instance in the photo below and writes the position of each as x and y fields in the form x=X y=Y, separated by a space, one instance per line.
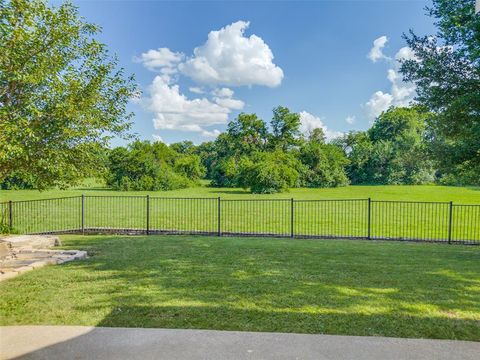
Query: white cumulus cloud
x=378 y=103
x=174 y=111
x=157 y=138
x=350 y=119
x=228 y=57
x=401 y=93
x=196 y=90
x=309 y=122
x=160 y=58
x=376 y=52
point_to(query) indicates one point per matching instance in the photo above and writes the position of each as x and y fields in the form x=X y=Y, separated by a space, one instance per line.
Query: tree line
x=269 y=159
x=63 y=97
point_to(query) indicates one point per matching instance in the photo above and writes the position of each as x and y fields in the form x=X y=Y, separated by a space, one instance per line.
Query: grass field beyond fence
x=255 y=284
x=345 y=218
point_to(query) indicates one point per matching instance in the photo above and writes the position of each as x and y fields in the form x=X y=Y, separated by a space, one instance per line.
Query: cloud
x=224 y=97
x=223 y=92
x=401 y=93
x=228 y=57
x=309 y=122
x=174 y=111
x=378 y=103
x=233 y=104
x=213 y=133
x=162 y=58
x=350 y=119
x=376 y=52
x=196 y=90
x=157 y=138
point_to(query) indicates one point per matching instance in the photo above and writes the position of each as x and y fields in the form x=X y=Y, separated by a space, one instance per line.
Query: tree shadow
x=270 y=285
x=235 y=191
x=356 y=288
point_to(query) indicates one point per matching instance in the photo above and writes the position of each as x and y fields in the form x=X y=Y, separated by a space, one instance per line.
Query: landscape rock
x=19 y=254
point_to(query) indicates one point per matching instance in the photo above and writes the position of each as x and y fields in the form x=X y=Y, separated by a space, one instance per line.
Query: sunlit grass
x=305 y=286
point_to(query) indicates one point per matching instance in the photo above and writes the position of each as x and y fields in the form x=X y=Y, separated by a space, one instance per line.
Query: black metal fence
x=346 y=218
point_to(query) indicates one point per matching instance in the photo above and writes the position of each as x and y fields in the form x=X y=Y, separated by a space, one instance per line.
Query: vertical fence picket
x=10 y=215
x=219 y=216
x=450 y=217
x=292 y=218
x=369 y=219
x=148 y=215
x=83 y=214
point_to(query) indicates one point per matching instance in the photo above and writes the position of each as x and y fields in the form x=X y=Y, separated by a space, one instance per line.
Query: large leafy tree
x=325 y=163
x=62 y=96
x=446 y=70
x=392 y=151
x=285 y=128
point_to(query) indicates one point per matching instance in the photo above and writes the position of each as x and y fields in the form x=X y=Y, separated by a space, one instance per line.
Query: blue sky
x=320 y=67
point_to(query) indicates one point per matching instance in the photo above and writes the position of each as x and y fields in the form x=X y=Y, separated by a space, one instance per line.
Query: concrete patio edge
x=85 y=342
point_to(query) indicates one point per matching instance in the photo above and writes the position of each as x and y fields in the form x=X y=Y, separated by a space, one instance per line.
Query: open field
x=256 y=284
x=238 y=214
x=462 y=195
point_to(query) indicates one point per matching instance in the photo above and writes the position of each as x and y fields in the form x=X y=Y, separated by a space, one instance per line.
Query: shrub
x=152 y=167
x=269 y=173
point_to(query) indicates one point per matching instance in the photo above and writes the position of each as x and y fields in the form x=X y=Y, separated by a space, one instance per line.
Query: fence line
x=329 y=218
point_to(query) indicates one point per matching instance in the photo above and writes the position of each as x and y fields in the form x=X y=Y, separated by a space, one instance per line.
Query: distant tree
x=62 y=95
x=247 y=134
x=446 y=70
x=190 y=166
x=183 y=147
x=285 y=128
x=317 y=135
x=270 y=172
x=325 y=162
x=207 y=152
x=393 y=151
x=146 y=166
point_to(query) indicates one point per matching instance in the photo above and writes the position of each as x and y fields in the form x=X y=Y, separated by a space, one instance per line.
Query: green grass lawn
x=251 y=284
x=341 y=219
x=464 y=195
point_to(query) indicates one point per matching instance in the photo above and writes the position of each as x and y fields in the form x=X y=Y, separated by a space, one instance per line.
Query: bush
x=269 y=173
x=326 y=165
x=152 y=167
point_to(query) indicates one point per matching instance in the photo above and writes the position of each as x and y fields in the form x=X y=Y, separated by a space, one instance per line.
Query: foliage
x=285 y=128
x=325 y=164
x=183 y=147
x=151 y=166
x=270 y=172
x=392 y=151
x=248 y=155
x=17 y=180
x=446 y=70
x=62 y=95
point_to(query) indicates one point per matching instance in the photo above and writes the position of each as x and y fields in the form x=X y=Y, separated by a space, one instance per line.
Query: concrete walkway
x=79 y=342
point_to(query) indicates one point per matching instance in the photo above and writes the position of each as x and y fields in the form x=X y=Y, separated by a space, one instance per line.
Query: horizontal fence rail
x=345 y=218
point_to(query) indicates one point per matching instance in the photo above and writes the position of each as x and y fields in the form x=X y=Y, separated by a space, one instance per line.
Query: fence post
x=10 y=215
x=450 y=222
x=219 y=229
x=148 y=214
x=83 y=214
x=369 y=237
x=292 y=219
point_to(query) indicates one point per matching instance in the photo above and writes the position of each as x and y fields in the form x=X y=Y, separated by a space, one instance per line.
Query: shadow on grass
x=273 y=285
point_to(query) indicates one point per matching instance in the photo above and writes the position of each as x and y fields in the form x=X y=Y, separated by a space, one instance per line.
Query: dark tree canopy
x=62 y=95
x=447 y=74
